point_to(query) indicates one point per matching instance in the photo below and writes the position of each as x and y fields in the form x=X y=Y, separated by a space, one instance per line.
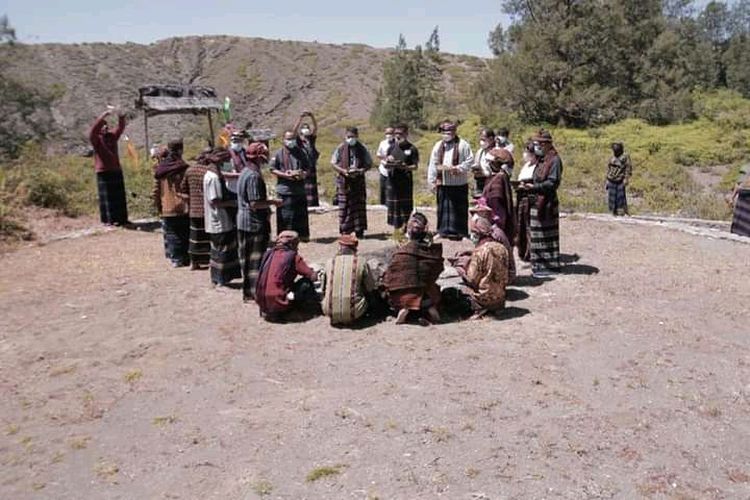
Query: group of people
x=216 y=213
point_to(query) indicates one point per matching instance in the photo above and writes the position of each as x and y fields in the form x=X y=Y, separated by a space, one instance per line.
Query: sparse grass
x=323 y=472
x=80 y=442
x=471 y=472
x=439 y=434
x=12 y=430
x=262 y=487
x=106 y=470
x=165 y=420
x=133 y=376
x=63 y=370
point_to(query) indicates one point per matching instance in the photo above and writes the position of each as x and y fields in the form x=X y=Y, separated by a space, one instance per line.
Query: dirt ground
x=628 y=376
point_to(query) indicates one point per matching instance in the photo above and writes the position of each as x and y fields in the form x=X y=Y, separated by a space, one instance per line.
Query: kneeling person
x=278 y=290
x=348 y=283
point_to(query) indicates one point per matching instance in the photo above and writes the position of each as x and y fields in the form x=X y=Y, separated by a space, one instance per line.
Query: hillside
x=269 y=81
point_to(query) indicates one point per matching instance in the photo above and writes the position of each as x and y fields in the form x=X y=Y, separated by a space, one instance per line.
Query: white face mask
x=474 y=238
x=482 y=143
x=351 y=141
x=447 y=137
x=305 y=131
x=237 y=146
x=290 y=143
x=501 y=139
x=389 y=137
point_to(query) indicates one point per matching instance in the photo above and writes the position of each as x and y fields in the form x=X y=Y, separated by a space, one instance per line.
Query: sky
x=463 y=25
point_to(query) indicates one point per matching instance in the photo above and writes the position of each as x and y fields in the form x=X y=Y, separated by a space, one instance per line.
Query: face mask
x=447 y=137
x=502 y=139
x=538 y=151
x=474 y=238
x=305 y=131
x=290 y=143
x=482 y=144
x=389 y=137
x=351 y=141
x=237 y=146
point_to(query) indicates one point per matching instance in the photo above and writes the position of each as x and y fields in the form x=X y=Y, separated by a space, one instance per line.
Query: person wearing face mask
x=523 y=208
x=481 y=168
x=351 y=160
x=486 y=274
x=199 y=247
x=545 y=207
x=498 y=194
x=291 y=165
x=253 y=217
x=450 y=162
x=502 y=140
x=402 y=158
x=382 y=154
x=308 y=135
x=619 y=171
x=171 y=205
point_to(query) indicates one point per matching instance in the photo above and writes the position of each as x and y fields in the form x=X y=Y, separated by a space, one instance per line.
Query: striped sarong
x=399 y=198
x=225 y=264
x=311 y=187
x=200 y=244
x=453 y=211
x=113 y=205
x=523 y=231
x=545 y=236
x=176 y=237
x=617 y=201
x=352 y=203
x=741 y=218
x=292 y=215
x=252 y=246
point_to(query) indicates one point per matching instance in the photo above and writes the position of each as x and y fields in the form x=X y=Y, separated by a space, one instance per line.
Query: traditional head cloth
x=348 y=240
x=500 y=156
x=401 y=127
x=257 y=151
x=287 y=238
x=416 y=225
x=447 y=126
x=542 y=136
x=481 y=226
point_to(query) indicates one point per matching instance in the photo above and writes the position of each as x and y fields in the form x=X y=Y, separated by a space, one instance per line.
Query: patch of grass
x=323 y=472
x=165 y=420
x=262 y=487
x=106 y=470
x=133 y=376
x=471 y=472
x=12 y=430
x=80 y=442
x=63 y=370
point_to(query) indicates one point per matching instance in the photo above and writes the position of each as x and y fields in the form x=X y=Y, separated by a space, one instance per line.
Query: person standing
x=291 y=165
x=308 y=136
x=351 y=160
x=619 y=171
x=448 y=172
x=199 y=247
x=220 y=226
x=348 y=284
x=172 y=207
x=382 y=154
x=523 y=207
x=402 y=159
x=113 y=206
x=502 y=140
x=253 y=218
x=545 y=207
x=481 y=167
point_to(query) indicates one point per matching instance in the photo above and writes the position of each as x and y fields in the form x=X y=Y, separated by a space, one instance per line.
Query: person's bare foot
x=401 y=316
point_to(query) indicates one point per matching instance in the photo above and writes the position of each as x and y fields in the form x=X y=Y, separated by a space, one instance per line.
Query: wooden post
x=211 y=130
x=145 y=126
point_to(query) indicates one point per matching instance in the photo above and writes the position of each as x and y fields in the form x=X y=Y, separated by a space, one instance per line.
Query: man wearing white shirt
x=448 y=171
x=502 y=139
x=481 y=168
x=382 y=154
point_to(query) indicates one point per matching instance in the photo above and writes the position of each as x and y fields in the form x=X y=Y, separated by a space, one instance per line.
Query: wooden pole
x=211 y=130
x=145 y=127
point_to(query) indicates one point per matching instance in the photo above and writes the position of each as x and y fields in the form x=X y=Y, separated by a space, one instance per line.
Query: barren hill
x=269 y=81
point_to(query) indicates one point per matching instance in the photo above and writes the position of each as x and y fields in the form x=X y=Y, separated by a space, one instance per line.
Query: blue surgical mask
x=351 y=141
x=290 y=143
x=538 y=150
x=236 y=146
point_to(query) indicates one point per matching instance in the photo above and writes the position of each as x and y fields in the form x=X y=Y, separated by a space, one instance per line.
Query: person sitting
x=347 y=284
x=411 y=276
x=278 y=291
x=481 y=210
x=486 y=274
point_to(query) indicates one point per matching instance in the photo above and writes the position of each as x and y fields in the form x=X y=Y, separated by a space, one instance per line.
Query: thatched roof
x=169 y=99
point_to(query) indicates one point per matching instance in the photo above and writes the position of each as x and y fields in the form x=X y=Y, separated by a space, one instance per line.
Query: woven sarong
x=545 y=237
x=200 y=244
x=176 y=237
x=113 y=206
x=523 y=231
x=292 y=215
x=225 y=264
x=399 y=198
x=741 y=218
x=311 y=187
x=616 y=198
x=252 y=246
x=453 y=210
x=352 y=203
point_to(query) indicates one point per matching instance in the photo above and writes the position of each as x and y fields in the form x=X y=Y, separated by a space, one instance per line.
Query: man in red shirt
x=113 y=208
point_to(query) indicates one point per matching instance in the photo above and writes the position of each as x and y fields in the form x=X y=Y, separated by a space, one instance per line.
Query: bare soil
x=627 y=376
